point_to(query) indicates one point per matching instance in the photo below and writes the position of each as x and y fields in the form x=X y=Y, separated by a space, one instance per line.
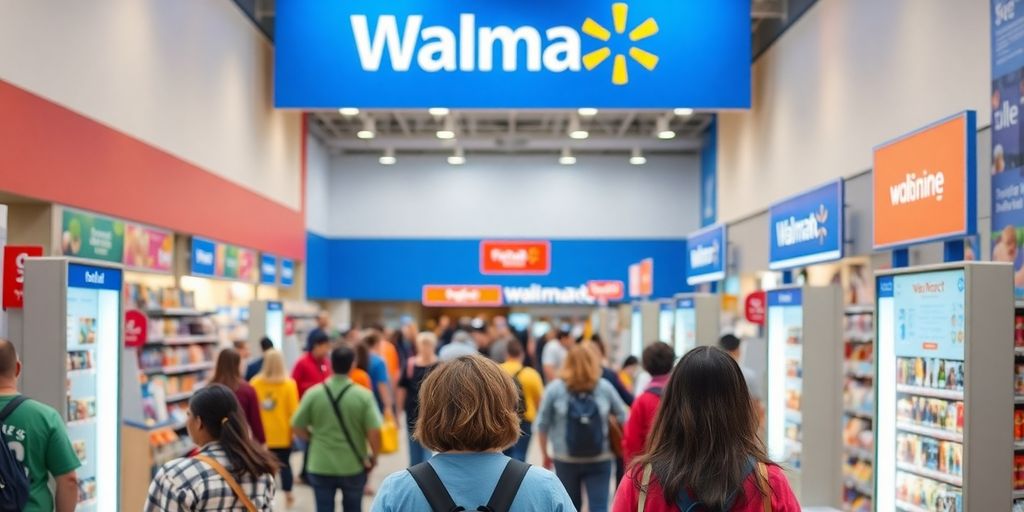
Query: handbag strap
x=645 y=482
x=762 y=485
x=230 y=480
x=337 y=414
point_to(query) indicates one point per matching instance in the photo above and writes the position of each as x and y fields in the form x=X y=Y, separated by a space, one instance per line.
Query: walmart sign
x=512 y=54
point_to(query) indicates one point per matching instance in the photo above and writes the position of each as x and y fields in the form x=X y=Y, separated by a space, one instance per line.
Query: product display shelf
x=858 y=406
x=1018 y=410
x=151 y=447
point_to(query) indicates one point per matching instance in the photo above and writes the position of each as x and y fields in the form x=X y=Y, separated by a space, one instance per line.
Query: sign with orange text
x=606 y=291
x=501 y=257
x=647 y=277
x=925 y=184
x=457 y=295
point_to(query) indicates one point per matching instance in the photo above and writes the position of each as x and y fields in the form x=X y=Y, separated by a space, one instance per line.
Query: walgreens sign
x=526 y=258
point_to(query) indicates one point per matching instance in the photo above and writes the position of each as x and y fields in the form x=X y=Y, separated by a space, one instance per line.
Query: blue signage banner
x=684 y=304
x=709 y=175
x=512 y=54
x=807 y=228
x=1007 y=137
x=792 y=297
x=705 y=255
x=275 y=306
x=885 y=287
x=268 y=269
x=287 y=272
x=203 y=257
x=97 y=278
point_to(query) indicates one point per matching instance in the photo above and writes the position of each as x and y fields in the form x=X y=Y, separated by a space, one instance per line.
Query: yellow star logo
x=620 y=75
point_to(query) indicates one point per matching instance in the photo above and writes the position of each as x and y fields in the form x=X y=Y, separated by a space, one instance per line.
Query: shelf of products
x=858 y=407
x=163 y=302
x=794 y=391
x=1018 y=410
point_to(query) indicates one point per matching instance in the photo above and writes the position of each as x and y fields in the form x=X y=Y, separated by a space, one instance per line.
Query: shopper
x=468 y=415
x=341 y=422
x=409 y=390
x=388 y=350
x=230 y=472
x=462 y=344
x=731 y=344
x=361 y=368
x=311 y=368
x=628 y=371
x=554 y=354
x=256 y=365
x=658 y=360
x=530 y=387
x=229 y=373
x=481 y=337
x=36 y=435
x=279 y=399
x=704 y=446
x=380 y=377
x=609 y=374
x=574 y=416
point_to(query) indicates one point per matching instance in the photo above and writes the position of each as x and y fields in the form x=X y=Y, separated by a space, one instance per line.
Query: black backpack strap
x=507 y=488
x=337 y=414
x=11 y=406
x=433 y=489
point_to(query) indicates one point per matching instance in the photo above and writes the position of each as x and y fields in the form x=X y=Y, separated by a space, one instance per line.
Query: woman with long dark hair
x=230 y=472
x=704 y=447
x=228 y=373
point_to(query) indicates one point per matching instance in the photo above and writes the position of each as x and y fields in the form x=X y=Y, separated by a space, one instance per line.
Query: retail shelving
x=1018 y=410
x=859 y=409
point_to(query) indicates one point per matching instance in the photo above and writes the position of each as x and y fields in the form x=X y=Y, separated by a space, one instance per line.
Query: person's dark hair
x=630 y=361
x=228 y=370
x=514 y=348
x=362 y=356
x=729 y=343
x=371 y=340
x=706 y=398
x=563 y=334
x=598 y=345
x=658 y=358
x=8 y=358
x=217 y=408
x=316 y=337
x=266 y=344
x=341 y=360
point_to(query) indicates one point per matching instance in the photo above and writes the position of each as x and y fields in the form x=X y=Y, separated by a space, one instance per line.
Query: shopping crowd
x=654 y=433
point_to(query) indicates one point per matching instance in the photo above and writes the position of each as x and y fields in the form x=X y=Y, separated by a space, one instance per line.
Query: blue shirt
x=553 y=417
x=470 y=479
x=378 y=375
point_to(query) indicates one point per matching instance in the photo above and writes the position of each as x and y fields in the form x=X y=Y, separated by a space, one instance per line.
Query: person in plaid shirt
x=216 y=425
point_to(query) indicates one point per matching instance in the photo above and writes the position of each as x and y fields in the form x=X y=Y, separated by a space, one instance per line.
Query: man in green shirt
x=342 y=423
x=36 y=434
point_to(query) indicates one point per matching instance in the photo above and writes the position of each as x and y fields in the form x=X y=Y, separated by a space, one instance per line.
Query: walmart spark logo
x=620 y=73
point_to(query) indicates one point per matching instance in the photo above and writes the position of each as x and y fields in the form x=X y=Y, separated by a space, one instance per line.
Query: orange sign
x=634 y=280
x=515 y=257
x=457 y=295
x=923 y=183
x=606 y=291
x=647 y=277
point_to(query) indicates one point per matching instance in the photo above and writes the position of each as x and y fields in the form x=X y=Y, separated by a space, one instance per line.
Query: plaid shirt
x=187 y=484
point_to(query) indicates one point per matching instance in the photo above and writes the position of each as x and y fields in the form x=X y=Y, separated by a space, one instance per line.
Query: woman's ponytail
x=216 y=406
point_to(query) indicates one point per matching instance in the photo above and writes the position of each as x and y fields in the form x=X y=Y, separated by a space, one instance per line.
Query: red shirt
x=638 y=425
x=782 y=496
x=309 y=372
x=251 y=407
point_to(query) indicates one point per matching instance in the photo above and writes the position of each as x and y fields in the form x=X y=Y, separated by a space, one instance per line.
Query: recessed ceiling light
x=683 y=112
x=388 y=158
x=567 y=158
x=348 y=111
x=587 y=112
x=637 y=157
x=576 y=131
x=457 y=158
x=438 y=111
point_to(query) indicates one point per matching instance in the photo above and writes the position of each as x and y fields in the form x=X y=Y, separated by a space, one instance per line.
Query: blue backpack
x=584 y=434
x=14 y=485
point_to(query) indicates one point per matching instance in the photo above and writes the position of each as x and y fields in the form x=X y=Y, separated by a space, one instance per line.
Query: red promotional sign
x=634 y=280
x=14 y=273
x=531 y=258
x=647 y=277
x=135 y=328
x=289 y=326
x=442 y=295
x=755 y=307
x=606 y=291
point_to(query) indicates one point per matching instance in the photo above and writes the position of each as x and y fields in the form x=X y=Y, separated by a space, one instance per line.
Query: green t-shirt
x=36 y=434
x=329 y=452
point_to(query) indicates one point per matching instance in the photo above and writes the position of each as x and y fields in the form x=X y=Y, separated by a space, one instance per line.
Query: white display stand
x=643 y=325
x=73 y=317
x=666 y=320
x=944 y=423
x=697 y=321
x=804 y=398
x=266 y=318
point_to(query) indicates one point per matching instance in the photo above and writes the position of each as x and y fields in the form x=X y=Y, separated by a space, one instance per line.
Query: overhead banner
x=1007 y=154
x=647 y=277
x=95 y=237
x=515 y=257
x=148 y=248
x=512 y=54
x=438 y=295
x=807 y=229
x=268 y=269
x=925 y=184
x=213 y=259
x=287 y=273
x=705 y=255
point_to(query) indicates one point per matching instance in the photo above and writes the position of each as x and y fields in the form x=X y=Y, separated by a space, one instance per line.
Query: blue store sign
x=203 y=257
x=512 y=54
x=705 y=255
x=287 y=272
x=793 y=297
x=807 y=229
x=268 y=269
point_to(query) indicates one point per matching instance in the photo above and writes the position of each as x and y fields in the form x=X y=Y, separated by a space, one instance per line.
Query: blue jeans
x=518 y=451
x=283 y=457
x=417 y=452
x=595 y=476
x=326 y=487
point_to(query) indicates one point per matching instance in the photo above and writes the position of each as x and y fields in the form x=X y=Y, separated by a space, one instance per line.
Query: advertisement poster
x=499 y=257
x=204 y=257
x=268 y=269
x=14 y=273
x=95 y=237
x=1007 y=171
x=148 y=248
x=807 y=228
x=287 y=272
x=705 y=259
x=929 y=315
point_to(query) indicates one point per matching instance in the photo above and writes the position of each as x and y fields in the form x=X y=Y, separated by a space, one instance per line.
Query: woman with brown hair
x=704 y=449
x=574 y=415
x=228 y=372
x=468 y=415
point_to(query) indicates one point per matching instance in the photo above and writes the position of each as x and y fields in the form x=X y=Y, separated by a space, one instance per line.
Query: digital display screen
x=93 y=363
x=920 y=422
x=785 y=376
x=636 y=332
x=685 y=327
x=666 y=319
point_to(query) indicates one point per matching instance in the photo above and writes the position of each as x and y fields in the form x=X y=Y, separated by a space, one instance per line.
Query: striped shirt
x=188 y=484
